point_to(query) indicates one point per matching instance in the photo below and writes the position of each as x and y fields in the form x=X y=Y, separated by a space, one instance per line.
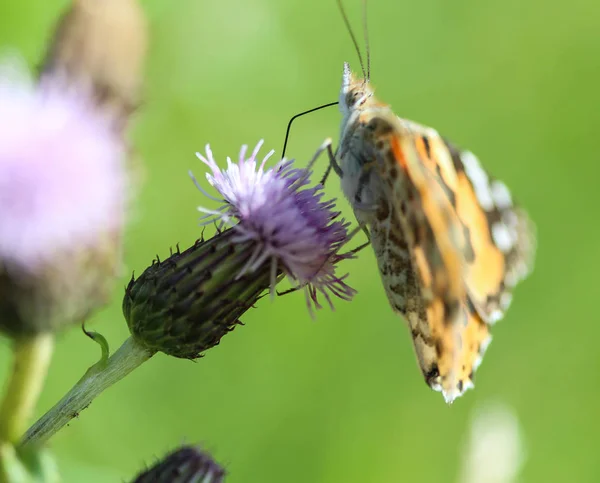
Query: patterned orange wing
x=449 y=331
x=417 y=240
x=498 y=240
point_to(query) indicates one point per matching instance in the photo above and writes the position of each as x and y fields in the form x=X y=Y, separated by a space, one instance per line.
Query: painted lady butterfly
x=449 y=242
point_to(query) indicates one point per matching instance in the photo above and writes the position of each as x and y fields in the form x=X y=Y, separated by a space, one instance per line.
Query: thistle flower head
x=61 y=174
x=291 y=226
x=62 y=191
x=276 y=225
x=187 y=464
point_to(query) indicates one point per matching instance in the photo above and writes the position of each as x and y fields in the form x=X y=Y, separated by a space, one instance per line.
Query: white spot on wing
x=502 y=236
x=485 y=344
x=482 y=349
x=501 y=195
x=479 y=179
x=436 y=386
x=451 y=395
x=495 y=316
x=505 y=300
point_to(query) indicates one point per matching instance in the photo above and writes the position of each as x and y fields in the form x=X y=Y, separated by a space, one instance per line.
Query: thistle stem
x=128 y=357
x=32 y=356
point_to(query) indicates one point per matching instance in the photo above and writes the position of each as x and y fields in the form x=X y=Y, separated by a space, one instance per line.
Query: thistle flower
x=291 y=227
x=62 y=202
x=277 y=226
x=187 y=464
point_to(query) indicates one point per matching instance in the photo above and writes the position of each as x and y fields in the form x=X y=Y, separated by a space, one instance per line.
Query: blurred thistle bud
x=184 y=465
x=101 y=45
x=62 y=205
x=277 y=226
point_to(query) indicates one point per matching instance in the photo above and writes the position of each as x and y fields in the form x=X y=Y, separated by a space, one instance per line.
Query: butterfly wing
x=457 y=333
x=498 y=240
x=415 y=235
x=501 y=236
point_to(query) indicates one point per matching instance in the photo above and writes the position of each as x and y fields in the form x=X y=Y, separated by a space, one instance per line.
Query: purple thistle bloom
x=63 y=191
x=62 y=177
x=293 y=228
x=277 y=225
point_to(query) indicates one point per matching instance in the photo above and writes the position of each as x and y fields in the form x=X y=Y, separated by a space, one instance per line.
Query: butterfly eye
x=351 y=98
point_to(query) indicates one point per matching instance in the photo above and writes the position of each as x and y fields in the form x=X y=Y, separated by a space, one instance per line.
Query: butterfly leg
x=289 y=290
x=333 y=164
x=326 y=175
x=367 y=233
x=326 y=146
x=360 y=247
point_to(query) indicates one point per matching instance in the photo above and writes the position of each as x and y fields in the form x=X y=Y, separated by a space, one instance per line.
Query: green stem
x=32 y=356
x=129 y=356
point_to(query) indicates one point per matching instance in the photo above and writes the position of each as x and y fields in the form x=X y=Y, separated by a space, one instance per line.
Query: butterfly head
x=355 y=92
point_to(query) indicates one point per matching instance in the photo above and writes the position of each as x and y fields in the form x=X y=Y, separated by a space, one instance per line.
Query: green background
x=288 y=399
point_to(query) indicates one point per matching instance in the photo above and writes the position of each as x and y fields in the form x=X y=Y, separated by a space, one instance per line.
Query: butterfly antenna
x=349 y=28
x=289 y=126
x=366 y=33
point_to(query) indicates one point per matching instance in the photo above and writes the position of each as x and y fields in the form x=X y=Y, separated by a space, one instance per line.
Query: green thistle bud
x=185 y=465
x=183 y=305
x=58 y=293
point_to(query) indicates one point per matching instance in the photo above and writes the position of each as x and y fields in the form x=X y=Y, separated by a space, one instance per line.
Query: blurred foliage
x=284 y=398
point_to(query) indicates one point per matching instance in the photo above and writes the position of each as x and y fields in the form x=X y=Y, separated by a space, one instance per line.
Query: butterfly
x=450 y=243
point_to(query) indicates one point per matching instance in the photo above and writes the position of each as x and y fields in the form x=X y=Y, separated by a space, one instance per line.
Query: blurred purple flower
x=62 y=177
x=293 y=228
